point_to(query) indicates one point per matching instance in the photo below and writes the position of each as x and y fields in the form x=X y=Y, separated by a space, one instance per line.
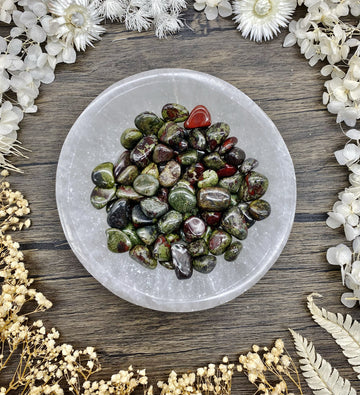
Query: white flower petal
x=225 y=9
x=350 y=232
x=28 y=18
x=352 y=220
x=37 y=34
x=335 y=220
x=340 y=157
x=211 y=13
x=348 y=299
x=353 y=134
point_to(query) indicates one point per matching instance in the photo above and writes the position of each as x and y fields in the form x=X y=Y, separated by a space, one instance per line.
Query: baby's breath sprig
x=270 y=370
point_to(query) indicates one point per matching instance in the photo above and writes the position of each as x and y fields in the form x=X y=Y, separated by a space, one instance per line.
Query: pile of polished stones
x=180 y=192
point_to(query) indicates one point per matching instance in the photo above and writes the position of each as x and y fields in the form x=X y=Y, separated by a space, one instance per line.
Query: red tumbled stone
x=198 y=118
x=212 y=218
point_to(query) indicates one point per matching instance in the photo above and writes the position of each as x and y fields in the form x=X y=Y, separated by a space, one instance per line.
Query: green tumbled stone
x=146 y=185
x=214 y=161
x=128 y=175
x=154 y=207
x=233 y=251
x=117 y=241
x=231 y=183
x=100 y=197
x=216 y=134
x=174 y=112
x=208 y=179
x=184 y=184
x=130 y=137
x=103 y=175
x=147 y=234
x=152 y=170
x=219 y=242
x=142 y=255
x=207 y=234
x=188 y=157
x=259 y=209
x=253 y=186
x=148 y=122
x=130 y=232
x=161 y=249
x=233 y=221
x=170 y=222
x=213 y=199
x=234 y=199
x=182 y=200
x=198 y=248
x=172 y=238
x=171 y=134
x=204 y=264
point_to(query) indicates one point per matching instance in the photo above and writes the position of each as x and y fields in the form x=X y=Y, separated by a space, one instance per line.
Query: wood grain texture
x=280 y=81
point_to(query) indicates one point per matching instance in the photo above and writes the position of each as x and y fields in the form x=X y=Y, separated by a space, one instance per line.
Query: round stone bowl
x=95 y=138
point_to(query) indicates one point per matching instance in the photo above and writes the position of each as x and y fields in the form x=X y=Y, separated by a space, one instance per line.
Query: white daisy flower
x=213 y=8
x=78 y=22
x=261 y=19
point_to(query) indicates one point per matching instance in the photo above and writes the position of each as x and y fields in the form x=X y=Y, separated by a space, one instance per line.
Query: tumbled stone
x=197 y=139
x=233 y=251
x=235 y=156
x=207 y=234
x=213 y=199
x=235 y=200
x=184 y=184
x=248 y=165
x=216 y=134
x=162 y=153
x=122 y=162
x=161 y=249
x=259 y=209
x=204 y=264
x=234 y=223
x=181 y=146
x=244 y=208
x=142 y=153
x=127 y=192
x=193 y=228
x=212 y=218
x=180 y=199
x=194 y=172
x=100 y=197
x=231 y=183
x=208 y=179
x=227 y=145
x=214 y=161
x=119 y=214
x=198 y=248
x=170 y=175
x=174 y=112
x=188 y=157
x=103 y=175
x=153 y=207
x=170 y=222
x=142 y=255
x=148 y=122
x=139 y=218
x=147 y=234
x=182 y=261
x=128 y=175
x=226 y=171
x=171 y=134
x=130 y=137
x=130 y=232
x=199 y=118
x=152 y=170
x=117 y=241
x=146 y=185
x=253 y=186
x=219 y=241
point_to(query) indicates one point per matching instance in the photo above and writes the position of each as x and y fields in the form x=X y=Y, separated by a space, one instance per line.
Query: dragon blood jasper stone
x=171 y=134
x=148 y=122
x=146 y=185
x=205 y=263
x=142 y=255
x=119 y=214
x=174 y=112
x=170 y=175
x=253 y=186
x=213 y=199
x=259 y=209
x=130 y=137
x=216 y=134
x=198 y=118
x=233 y=251
x=143 y=150
x=234 y=223
x=117 y=241
x=100 y=197
x=182 y=261
x=182 y=200
x=103 y=175
x=219 y=241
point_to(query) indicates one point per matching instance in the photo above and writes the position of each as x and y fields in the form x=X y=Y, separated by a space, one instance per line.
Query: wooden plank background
x=281 y=82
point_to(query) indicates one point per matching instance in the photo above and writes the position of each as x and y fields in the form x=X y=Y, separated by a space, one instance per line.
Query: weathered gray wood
x=284 y=86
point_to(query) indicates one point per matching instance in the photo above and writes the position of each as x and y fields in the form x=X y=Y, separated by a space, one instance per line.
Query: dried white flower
x=261 y=19
x=78 y=22
x=213 y=8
